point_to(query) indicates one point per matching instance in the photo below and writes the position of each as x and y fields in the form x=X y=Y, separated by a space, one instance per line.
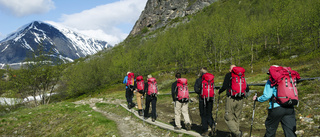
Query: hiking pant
x=129 y=95
x=205 y=107
x=139 y=95
x=181 y=107
x=287 y=118
x=153 y=101
x=232 y=114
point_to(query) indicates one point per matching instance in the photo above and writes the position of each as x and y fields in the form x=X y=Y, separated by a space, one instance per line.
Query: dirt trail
x=127 y=126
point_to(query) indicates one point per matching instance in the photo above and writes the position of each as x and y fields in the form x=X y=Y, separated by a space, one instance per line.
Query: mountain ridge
x=65 y=43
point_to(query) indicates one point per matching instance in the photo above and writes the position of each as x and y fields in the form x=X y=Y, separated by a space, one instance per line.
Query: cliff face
x=157 y=13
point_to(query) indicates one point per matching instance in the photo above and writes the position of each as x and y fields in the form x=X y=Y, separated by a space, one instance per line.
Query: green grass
x=60 y=119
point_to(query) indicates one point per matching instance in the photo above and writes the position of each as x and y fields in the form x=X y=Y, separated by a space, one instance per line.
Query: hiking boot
x=205 y=134
x=177 y=128
x=129 y=105
x=133 y=105
x=153 y=119
x=237 y=135
x=212 y=130
x=188 y=126
x=240 y=134
x=140 y=112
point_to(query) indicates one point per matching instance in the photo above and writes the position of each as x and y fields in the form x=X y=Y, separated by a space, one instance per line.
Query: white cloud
x=22 y=8
x=104 y=21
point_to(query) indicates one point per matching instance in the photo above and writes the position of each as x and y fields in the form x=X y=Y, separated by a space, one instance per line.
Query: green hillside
x=253 y=34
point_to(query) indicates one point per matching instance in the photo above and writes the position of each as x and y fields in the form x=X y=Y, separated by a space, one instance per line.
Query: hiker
x=205 y=99
x=180 y=97
x=129 y=81
x=276 y=111
x=139 y=91
x=234 y=100
x=152 y=91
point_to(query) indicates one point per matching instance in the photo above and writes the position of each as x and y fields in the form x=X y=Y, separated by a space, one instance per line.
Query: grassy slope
x=58 y=119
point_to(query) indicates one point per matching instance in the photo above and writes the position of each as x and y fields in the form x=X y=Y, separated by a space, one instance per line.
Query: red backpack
x=238 y=82
x=287 y=93
x=130 y=80
x=140 y=84
x=182 y=87
x=207 y=86
x=152 y=87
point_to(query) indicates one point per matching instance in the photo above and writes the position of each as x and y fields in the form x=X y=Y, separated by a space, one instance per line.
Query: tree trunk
x=239 y=61
x=215 y=58
x=319 y=38
x=251 y=64
x=34 y=97
x=278 y=37
x=220 y=62
x=265 y=42
x=231 y=56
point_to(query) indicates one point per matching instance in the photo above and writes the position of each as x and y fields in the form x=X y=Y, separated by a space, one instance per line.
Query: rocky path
x=127 y=126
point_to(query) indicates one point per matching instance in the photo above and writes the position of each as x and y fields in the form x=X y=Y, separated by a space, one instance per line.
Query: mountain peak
x=66 y=43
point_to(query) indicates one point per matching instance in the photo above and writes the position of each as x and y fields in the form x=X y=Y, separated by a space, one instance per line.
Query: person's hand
x=254 y=98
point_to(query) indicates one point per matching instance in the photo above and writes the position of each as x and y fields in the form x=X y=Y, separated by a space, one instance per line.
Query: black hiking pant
x=287 y=118
x=129 y=95
x=153 y=101
x=205 y=107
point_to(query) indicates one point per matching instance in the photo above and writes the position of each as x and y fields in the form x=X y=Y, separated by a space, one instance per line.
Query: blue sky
x=109 y=20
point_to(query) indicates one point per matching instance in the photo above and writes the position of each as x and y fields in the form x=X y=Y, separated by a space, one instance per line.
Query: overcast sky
x=109 y=20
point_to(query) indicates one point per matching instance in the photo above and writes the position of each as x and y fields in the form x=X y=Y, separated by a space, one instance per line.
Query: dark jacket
x=174 y=92
x=198 y=85
x=227 y=85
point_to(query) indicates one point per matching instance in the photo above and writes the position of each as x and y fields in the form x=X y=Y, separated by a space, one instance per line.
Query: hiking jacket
x=227 y=85
x=268 y=93
x=198 y=85
x=174 y=92
x=125 y=81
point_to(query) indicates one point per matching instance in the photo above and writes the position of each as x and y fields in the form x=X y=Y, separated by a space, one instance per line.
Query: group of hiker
x=280 y=90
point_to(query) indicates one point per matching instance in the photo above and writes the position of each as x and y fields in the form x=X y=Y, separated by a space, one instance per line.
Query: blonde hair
x=149 y=76
x=128 y=72
x=203 y=71
x=231 y=66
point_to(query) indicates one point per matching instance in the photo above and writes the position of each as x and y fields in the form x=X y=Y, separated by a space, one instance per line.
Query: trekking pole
x=254 y=105
x=189 y=110
x=216 y=120
x=142 y=98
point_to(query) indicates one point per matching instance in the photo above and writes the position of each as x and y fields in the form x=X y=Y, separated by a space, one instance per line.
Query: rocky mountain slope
x=158 y=13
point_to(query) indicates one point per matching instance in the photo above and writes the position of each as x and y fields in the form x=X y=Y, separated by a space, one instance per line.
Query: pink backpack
x=207 y=86
x=130 y=80
x=182 y=87
x=140 y=84
x=152 y=87
x=287 y=93
x=238 y=82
